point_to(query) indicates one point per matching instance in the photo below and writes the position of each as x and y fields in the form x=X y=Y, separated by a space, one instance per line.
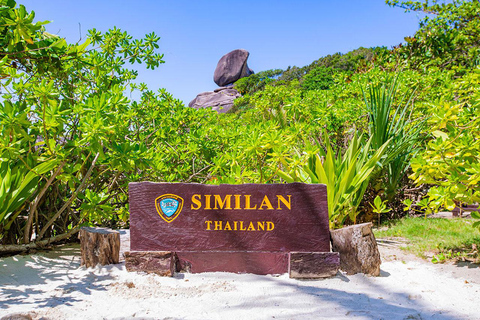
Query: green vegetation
x=71 y=140
x=346 y=176
x=380 y=127
x=441 y=238
x=320 y=78
x=447 y=38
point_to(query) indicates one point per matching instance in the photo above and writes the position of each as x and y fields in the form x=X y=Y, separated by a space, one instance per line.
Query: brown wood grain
x=238 y=262
x=313 y=265
x=99 y=246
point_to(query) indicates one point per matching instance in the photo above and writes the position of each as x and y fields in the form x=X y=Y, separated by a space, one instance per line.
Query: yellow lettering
x=237 y=201
x=242 y=228
x=261 y=225
x=196 y=201
x=207 y=202
x=266 y=203
x=247 y=203
x=239 y=225
x=270 y=226
x=218 y=201
x=288 y=203
x=209 y=224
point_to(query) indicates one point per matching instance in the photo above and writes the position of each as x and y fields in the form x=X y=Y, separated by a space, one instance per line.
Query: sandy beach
x=52 y=285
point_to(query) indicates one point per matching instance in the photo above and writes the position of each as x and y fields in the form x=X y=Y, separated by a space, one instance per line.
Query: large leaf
x=20 y=186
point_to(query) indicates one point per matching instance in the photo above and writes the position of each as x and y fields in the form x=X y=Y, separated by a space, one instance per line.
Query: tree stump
x=358 y=249
x=99 y=246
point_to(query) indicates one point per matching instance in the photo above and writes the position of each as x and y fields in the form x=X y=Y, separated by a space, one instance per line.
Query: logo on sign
x=169 y=206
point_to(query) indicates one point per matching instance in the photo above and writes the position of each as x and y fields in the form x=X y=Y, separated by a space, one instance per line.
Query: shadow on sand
x=55 y=271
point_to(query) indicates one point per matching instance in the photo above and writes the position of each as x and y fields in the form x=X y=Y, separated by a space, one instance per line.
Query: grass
x=445 y=239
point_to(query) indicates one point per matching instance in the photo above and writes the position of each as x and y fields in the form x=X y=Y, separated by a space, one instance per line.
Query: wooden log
x=458 y=211
x=99 y=246
x=313 y=265
x=15 y=248
x=358 y=249
x=159 y=262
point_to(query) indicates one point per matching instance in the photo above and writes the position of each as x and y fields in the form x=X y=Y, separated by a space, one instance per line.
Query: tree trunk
x=358 y=249
x=99 y=246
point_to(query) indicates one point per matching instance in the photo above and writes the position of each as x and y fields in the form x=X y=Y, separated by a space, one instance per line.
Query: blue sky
x=196 y=34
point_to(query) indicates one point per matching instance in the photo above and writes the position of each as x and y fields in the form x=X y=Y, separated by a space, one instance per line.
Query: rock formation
x=230 y=68
x=221 y=100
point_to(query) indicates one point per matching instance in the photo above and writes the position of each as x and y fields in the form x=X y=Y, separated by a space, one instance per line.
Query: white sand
x=52 y=285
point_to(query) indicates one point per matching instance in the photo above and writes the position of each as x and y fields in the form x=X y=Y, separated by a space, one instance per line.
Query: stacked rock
x=230 y=68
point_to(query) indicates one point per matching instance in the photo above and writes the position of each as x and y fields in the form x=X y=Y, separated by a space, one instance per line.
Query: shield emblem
x=169 y=206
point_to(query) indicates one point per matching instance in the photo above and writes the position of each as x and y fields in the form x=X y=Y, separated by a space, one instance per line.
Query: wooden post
x=161 y=263
x=99 y=246
x=313 y=265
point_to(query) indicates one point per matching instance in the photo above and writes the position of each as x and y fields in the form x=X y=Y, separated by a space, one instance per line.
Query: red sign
x=275 y=218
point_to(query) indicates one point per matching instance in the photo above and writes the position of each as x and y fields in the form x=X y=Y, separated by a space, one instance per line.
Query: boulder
x=358 y=249
x=232 y=67
x=220 y=101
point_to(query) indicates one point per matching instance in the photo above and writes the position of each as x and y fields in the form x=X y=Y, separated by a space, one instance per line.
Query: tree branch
x=10 y=248
x=73 y=197
x=33 y=208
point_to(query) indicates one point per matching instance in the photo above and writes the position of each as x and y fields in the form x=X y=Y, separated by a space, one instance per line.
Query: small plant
x=423 y=206
x=380 y=207
x=442 y=257
x=446 y=254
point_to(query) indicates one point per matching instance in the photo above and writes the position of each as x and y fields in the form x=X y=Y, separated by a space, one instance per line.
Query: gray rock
x=223 y=88
x=358 y=249
x=220 y=101
x=232 y=67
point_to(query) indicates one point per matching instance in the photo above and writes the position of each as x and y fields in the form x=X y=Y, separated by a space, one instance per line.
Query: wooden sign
x=241 y=227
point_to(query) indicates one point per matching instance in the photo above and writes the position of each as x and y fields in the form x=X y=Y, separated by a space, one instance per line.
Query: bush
x=320 y=78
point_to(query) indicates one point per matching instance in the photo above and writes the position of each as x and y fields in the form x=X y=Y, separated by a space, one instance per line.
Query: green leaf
x=475 y=214
x=285 y=176
x=440 y=134
x=377 y=202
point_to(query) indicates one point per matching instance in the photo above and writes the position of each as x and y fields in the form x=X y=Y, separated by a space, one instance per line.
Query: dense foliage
x=71 y=140
x=447 y=38
x=363 y=122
